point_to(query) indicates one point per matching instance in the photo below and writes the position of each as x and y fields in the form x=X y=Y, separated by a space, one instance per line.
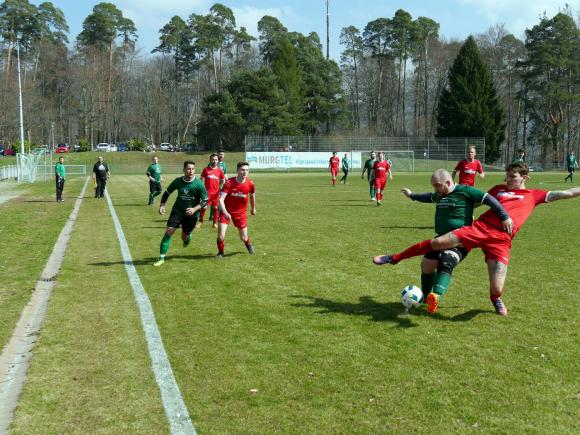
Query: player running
x=191 y=197
x=467 y=168
x=213 y=178
x=489 y=233
x=453 y=210
x=368 y=167
x=232 y=207
x=154 y=176
x=345 y=167
x=571 y=164
x=379 y=175
x=333 y=165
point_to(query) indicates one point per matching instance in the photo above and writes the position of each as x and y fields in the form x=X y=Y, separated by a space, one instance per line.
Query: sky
x=457 y=18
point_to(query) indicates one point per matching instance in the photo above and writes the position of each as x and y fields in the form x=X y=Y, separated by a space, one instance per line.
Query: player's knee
x=448 y=260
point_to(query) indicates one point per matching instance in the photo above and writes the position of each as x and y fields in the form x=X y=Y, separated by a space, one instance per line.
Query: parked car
x=123 y=148
x=1 y=150
x=61 y=148
x=104 y=147
x=150 y=148
x=10 y=151
x=113 y=147
x=165 y=146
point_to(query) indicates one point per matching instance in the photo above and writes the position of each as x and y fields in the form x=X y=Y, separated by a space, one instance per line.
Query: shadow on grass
x=168 y=259
x=140 y=204
x=367 y=306
x=380 y=312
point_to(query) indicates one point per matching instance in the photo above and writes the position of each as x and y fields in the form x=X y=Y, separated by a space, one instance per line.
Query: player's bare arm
x=253 y=203
x=390 y=175
x=563 y=194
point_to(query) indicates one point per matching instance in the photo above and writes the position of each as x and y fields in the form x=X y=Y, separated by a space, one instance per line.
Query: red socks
x=201 y=214
x=215 y=215
x=220 y=246
x=420 y=248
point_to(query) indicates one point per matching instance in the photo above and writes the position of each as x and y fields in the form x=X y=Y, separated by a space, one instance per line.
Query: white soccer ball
x=411 y=296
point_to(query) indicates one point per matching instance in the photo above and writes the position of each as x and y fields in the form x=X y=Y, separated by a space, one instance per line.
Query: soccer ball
x=411 y=296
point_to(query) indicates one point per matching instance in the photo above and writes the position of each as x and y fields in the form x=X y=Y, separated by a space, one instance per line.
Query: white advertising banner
x=301 y=160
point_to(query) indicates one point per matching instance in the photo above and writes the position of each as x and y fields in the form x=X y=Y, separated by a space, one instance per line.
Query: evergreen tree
x=470 y=106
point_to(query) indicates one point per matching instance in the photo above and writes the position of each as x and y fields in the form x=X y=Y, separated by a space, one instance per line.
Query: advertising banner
x=300 y=160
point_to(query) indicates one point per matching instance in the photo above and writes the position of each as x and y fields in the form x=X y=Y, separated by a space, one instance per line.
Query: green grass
x=307 y=321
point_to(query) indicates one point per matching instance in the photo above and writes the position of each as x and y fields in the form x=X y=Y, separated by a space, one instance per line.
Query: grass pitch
x=306 y=336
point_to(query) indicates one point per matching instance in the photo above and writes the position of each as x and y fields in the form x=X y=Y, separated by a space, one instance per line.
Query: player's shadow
x=463 y=317
x=168 y=260
x=366 y=306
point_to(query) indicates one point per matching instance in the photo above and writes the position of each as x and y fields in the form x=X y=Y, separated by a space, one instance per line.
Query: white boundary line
x=177 y=414
x=16 y=356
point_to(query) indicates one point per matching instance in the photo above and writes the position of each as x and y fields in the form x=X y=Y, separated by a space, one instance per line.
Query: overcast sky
x=457 y=18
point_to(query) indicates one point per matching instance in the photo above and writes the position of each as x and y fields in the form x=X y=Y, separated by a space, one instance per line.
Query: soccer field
x=306 y=335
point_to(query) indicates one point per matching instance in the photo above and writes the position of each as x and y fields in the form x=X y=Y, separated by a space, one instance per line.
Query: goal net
x=401 y=161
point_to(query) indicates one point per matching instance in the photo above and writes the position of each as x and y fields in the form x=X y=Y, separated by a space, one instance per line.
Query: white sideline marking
x=16 y=355
x=177 y=414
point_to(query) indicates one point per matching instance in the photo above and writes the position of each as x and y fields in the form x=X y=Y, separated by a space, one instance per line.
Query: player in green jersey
x=571 y=164
x=345 y=167
x=454 y=209
x=191 y=198
x=222 y=163
x=521 y=157
x=60 y=175
x=155 y=179
x=368 y=168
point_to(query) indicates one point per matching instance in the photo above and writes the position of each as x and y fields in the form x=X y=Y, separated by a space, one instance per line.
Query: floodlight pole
x=20 y=98
x=327 y=32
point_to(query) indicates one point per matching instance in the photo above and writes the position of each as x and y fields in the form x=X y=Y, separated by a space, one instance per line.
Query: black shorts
x=154 y=186
x=434 y=255
x=571 y=170
x=187 y=223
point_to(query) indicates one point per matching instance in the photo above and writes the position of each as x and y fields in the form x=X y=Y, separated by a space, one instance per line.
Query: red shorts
x=213 y=199
x=240 y=220
x=494 y=243
x=334 y=172
x=380 y=183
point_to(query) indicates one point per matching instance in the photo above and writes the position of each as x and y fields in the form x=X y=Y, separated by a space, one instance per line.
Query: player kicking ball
x=232 y=207
x=489 y=233
x=191 y=198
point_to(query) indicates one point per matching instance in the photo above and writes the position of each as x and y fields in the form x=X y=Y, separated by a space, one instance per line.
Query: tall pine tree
x=470 y=106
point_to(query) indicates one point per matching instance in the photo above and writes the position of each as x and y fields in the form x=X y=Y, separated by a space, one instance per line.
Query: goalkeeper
x=191 y=198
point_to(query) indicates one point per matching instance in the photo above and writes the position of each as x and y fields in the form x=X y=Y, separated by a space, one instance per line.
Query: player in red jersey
x=333 y=165
x=493 y=236
x=380 y=170
x=213 y=178
x=467 y=168
x=233 y=205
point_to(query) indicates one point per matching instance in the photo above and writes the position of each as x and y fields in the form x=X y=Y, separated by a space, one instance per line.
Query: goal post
x=401 y=161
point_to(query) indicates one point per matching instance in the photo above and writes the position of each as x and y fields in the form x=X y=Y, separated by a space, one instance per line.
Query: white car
x=113 y=147
x=165 y=146
x=104 y=147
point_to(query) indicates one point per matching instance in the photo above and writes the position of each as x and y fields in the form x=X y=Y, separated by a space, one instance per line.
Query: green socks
x=165 y=242
x=442 y=283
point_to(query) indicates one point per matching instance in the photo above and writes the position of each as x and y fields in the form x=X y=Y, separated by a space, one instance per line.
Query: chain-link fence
x=419 y=153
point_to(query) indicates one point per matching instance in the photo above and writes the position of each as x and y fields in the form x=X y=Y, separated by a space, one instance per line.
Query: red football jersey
x=236 y=200
x=334 y=162
x=381 y=169
x=519 y=203
x=212 y=178
x=467 y=171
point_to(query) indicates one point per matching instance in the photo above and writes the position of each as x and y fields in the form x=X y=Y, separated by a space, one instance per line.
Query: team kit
x=457 y=232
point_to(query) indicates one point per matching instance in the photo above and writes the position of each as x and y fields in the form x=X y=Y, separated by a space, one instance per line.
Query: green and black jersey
x=571 y=161
x=369 y=167
x=60 y=171
x=189 y=194
x=344 y=163
x=154 y=170
x=455 y=209
x=223 y=166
